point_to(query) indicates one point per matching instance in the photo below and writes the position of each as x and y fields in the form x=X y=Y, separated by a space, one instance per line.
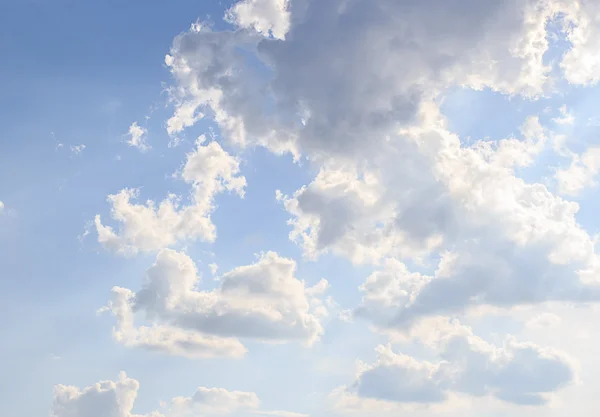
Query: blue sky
x=442 y=252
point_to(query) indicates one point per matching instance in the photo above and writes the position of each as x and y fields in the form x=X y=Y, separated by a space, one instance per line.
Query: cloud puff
x=581 y=173
x=103 y=399
x=137 y=137
x=262 y=301
x=117 y=398
x=146 y=227
x=267 y=17
x=581 y=62
x=216 y=401
x=517 y=373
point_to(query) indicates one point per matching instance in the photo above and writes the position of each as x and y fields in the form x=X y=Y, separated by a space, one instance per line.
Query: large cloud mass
x=355 y=86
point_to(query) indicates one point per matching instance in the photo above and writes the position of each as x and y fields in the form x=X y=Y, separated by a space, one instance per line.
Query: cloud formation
x=117 y=398
x=581 y=173
x=517 y=373
x=262 y=301
x=210 y=170
x=137 y=137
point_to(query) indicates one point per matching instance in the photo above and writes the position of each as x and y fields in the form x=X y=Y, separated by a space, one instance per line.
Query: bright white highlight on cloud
x=137 y=137
x=581 y=63
x=267 y=17
x=581 y=173
x=210 y=170
x=262 y=301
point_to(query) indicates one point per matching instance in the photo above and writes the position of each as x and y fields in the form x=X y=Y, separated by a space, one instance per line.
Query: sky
x=299 y=208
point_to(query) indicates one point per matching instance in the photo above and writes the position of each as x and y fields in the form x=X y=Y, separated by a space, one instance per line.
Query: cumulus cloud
x=322 y=102
x=351 y=85
x=137 y=137
x=147 y=227
x=581 y=62
x=103 y=399
x=580 y=174
x=1 y=207
x=267 y=17
x=517 y=373
x=117 y=398
x=262 y=301
x=502 y=241
x=216 y=401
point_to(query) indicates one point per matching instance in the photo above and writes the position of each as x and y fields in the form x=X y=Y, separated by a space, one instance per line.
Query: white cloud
x=147 y=227
x=581 y=62
x=262 y=301
x=137 y=137
x=1 y=207
x=77 y=149
x=566 y=117
x=117 y=398
x=103 y=399
x=517 y=373
x=580 y=174
x=267 y=17
x=215 y=401
x=332 y=91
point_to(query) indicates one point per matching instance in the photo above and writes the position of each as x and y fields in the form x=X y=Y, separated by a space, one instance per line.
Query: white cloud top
x=262 y=301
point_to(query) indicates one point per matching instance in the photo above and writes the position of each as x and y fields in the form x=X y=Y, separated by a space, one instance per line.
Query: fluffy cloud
x=517 y=373
x=581 y=173
x=581 y=62
x=146 y=227
x=262 y=301
x=117 y=398
x=215 y=401
x=103 y=399
x=324 y=103
x=267 y=17
x=137 y=137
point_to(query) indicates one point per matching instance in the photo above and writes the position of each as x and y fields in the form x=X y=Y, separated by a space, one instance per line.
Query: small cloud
x=86 y=231
x=175 y=142
x=1 y=207
x=137 y=137
x=213 y=268
x=566 y=117
x=76 y=149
